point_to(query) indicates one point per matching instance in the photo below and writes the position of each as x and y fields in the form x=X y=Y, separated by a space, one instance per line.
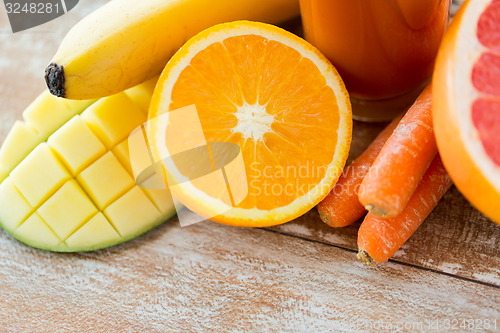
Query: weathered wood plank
x=209 y=277
x=212 y=277
x=455 y=238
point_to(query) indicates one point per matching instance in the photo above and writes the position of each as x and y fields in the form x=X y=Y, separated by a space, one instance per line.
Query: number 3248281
x=32 y=8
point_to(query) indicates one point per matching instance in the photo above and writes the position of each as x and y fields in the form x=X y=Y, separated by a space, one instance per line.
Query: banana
x=126 y=42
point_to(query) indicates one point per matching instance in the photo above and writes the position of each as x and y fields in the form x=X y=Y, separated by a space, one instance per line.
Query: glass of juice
x=383 y=49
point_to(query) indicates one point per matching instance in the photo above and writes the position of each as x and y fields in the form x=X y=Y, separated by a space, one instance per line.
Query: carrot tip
x=375 y=210
x=365 y=258
x=323 y=217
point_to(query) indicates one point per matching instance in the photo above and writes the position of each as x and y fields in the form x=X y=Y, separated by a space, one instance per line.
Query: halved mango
x=66 y=181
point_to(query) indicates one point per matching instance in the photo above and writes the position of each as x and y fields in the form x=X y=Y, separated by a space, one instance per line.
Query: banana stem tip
x=54 y=77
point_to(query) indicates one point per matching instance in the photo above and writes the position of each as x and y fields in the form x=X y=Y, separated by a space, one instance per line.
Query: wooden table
x=301 y=276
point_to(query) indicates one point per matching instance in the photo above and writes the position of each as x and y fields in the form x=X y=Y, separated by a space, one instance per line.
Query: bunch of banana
x=127 y=42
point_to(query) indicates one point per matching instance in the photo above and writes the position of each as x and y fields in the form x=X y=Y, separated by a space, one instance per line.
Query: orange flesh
x=254 y=70
x=380 y=48
x=486 y=79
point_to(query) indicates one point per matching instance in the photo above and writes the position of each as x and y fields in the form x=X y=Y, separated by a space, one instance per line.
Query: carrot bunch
x=399 y=179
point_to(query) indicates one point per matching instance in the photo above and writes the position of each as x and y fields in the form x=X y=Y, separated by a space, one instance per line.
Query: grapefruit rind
x=458 y=140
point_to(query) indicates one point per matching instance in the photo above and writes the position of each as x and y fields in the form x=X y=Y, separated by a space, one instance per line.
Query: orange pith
x=271 y=99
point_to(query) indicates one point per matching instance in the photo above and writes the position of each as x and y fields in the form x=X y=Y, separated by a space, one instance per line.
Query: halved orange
x=466 y=103
x=274 y=96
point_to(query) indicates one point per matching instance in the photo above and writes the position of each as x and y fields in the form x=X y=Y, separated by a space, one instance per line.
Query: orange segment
x=277 y=98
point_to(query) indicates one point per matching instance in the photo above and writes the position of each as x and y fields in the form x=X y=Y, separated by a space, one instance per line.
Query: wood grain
x=455 y=238
x=209 y=277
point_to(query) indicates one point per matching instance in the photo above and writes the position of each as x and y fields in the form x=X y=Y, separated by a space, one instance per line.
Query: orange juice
x=383 y=49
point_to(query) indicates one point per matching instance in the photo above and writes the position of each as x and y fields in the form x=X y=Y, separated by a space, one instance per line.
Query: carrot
x=379 y=238
x=341 y=206
x=402 y=162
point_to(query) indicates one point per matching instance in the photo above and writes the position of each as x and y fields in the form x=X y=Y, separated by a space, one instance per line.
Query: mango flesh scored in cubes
x=98 y=229
x=48 y=113
x=67 y=209
x=122 y=154
x=41 y=118
x=141 y=94
x=40 y=167
x=161 y=198
x=17 y=145
x=37 y=233
x=105 y=180
x=76 y=145
x=113 y=118
x=124 y=219
x=76 y=192
x=14 y=208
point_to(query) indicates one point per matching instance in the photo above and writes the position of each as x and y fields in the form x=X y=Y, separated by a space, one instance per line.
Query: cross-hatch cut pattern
x=76 y=190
